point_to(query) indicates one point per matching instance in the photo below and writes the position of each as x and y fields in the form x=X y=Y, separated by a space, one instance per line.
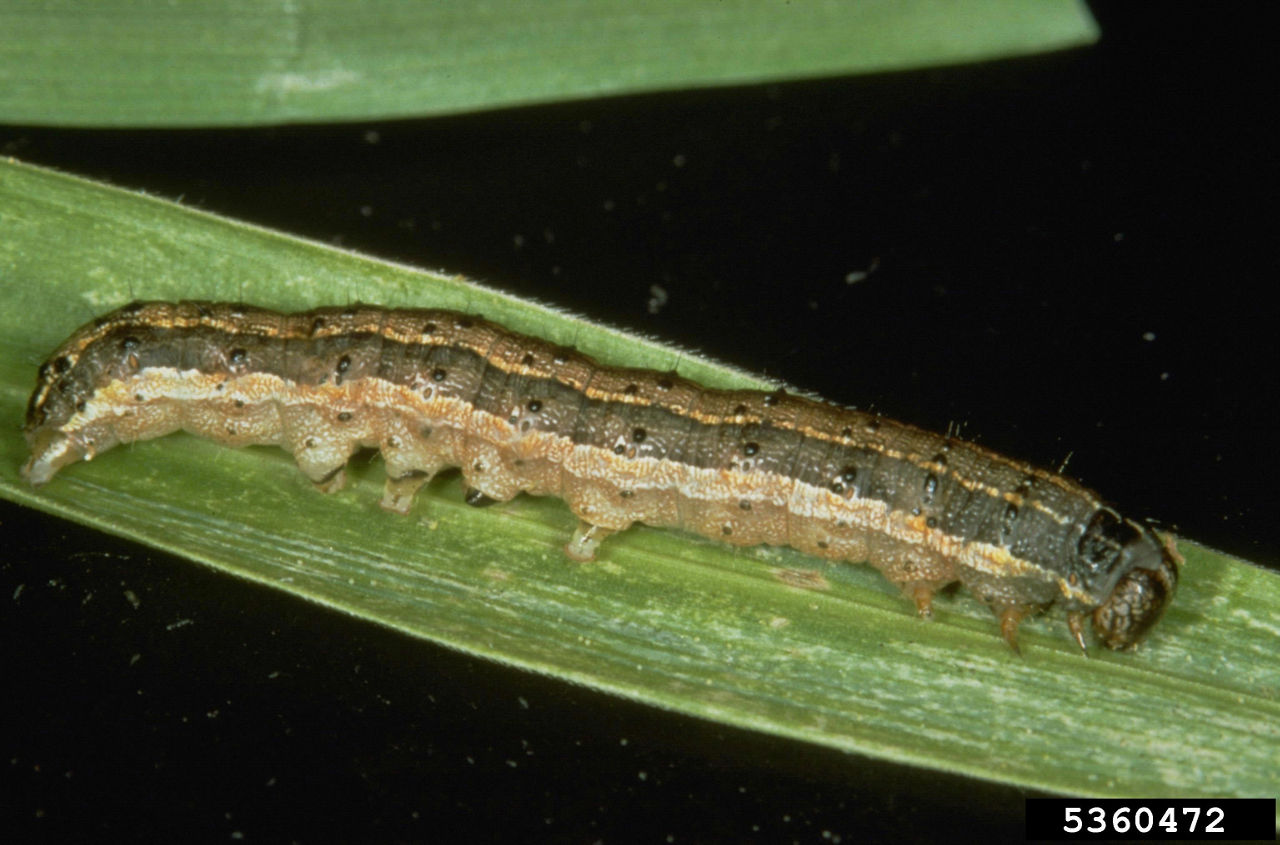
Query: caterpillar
x=435 y=389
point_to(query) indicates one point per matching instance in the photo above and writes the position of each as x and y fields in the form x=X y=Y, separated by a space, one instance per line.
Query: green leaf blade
x=762 y=638
x=220 y=63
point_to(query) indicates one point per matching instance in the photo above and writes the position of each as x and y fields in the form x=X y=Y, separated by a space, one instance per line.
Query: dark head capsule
x=1144 y=566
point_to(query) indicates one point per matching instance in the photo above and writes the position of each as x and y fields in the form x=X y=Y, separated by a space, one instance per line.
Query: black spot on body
x=237 y=357
x=770 y=399
x=345 y=416
x=428 y=328
x=317 y=324
x=61 y=364
x=463 y=323
x=639 y=434
x=665 y=384
x=631 y=390
x=527 y=360
x=750 y=449
x=930 y=488
x=1008 y=519
x=439 y=374
x=534 y=406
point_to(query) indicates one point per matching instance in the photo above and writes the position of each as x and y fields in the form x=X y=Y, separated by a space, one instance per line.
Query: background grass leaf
x=665 y=618
x=240 y=62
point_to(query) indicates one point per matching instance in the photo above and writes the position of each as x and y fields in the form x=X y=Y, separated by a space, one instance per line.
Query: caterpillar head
x=1144 y=566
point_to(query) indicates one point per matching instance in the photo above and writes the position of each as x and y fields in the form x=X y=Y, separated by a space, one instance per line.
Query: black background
x=1072 y=255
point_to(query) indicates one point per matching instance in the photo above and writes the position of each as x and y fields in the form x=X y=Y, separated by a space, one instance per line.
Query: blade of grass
x=220 y=63
x=672 y=620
